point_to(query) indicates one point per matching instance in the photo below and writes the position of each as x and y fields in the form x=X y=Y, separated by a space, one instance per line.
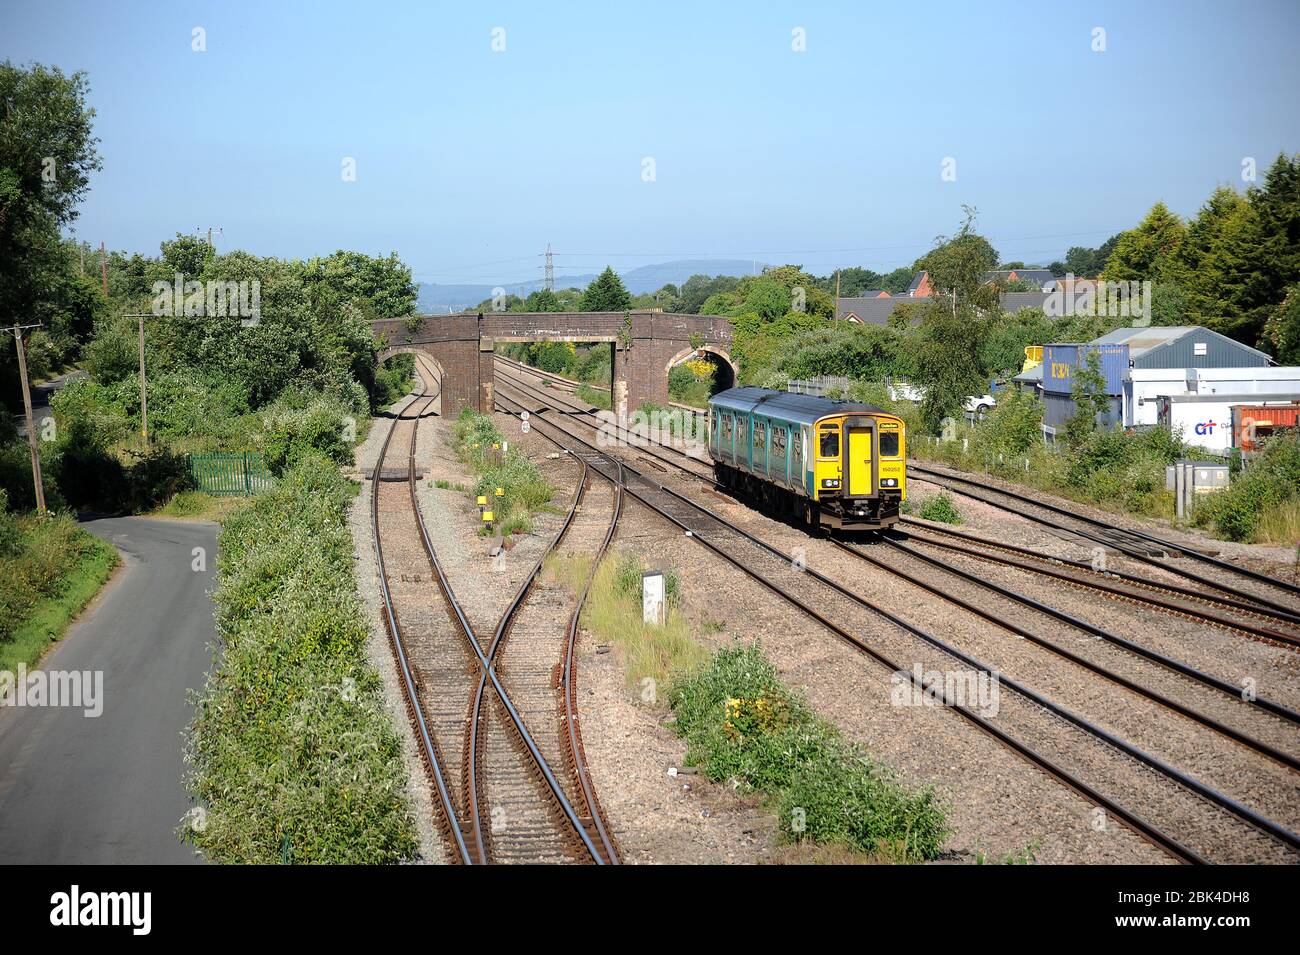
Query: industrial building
x=1184 y=377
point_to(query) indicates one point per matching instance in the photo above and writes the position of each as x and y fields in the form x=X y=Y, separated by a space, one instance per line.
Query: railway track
x=788 y=588
x=1274 y=625
x=498 y=797
x=1283 y=603
x=570 y=385
x=1276 y=629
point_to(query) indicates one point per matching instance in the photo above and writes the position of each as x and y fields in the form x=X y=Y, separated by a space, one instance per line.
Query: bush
x=292 y=752
x=939 y=507
x=35 y=554
x=741 y=723
x=594 y=365
x=1271 y=484
x=293 y=432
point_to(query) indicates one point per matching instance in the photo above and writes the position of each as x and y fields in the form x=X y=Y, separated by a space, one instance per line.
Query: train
x=826 y=463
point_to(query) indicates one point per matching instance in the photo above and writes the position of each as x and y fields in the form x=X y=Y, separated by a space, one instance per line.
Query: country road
x=75 y=789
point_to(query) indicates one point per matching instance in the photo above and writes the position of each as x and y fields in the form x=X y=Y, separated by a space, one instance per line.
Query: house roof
x=876 y=311
x=1041 y=276
x=1015 y=301
x=867 y=309
x=916 y=282
x=1034 y=374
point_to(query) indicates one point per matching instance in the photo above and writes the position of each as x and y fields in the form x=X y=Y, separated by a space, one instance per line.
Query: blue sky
x=468 y=161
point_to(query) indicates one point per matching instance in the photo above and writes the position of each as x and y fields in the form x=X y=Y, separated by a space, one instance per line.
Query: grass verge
x=293 y=755
x=654 y=655
x=479 y=444
x=86 y=563
x=742 y=723
x=199 y=506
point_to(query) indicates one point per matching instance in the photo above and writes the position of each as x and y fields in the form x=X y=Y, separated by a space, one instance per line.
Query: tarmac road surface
x=108 y=789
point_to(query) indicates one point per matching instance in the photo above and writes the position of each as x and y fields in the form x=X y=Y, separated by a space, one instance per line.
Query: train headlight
x=889 y=482
x=830 y=482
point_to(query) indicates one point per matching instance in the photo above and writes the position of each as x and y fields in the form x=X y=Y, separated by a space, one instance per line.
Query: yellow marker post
x=501 y=492
x=487 y=517
x=482 y=500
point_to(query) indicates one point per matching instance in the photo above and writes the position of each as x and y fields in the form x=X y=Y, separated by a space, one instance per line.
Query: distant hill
x=647 y=278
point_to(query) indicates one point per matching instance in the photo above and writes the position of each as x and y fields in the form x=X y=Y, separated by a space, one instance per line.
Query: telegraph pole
x=27 y=410
x=550 y=270
x=144 y=395
x=103 y=267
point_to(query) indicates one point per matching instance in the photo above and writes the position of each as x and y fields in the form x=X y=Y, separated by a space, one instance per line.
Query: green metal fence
x=228 y=474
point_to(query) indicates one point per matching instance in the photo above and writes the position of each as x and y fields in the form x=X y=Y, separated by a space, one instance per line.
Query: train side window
x=889 y=444
x=778 y=442
x=760 y=436
x=829 y=445
x=726 y=427
x=798 y=453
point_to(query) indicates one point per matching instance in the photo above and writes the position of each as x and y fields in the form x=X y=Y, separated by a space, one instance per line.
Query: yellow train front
x=828 y=463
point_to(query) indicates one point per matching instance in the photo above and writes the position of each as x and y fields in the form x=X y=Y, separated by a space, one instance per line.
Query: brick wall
x=463 y=345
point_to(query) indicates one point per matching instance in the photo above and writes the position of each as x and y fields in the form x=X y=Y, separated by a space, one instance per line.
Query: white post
x=1180 y=482
x=652 y=597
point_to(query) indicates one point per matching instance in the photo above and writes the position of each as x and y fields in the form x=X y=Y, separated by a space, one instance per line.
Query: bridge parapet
x=644 y=344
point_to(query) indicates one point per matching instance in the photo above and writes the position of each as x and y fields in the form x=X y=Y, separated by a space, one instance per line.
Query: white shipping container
x=1145 y=386
x=1204 y=423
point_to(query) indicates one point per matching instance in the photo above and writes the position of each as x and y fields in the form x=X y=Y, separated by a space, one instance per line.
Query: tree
x=947 y=351
x=47 y=153
x=606 y=294
x=543 y=300
x=1090 y=400
x=1282 y=332
x=957 y=265
x=854 y=281
x=897 y=281
x=1143 y=253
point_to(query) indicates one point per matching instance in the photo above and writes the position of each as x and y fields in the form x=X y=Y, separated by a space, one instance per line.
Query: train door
x=859 y=460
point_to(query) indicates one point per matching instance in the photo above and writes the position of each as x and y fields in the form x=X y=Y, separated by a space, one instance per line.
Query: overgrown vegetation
x=741 y=723
x=293 y=755
x=613 y=614
x=49 y=570
x=481 y=446
x=1263 y=503
x=939 y=507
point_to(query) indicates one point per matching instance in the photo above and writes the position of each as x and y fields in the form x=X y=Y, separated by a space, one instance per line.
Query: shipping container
x=1062 y=360
x=1251 y=423
x=1203 y=422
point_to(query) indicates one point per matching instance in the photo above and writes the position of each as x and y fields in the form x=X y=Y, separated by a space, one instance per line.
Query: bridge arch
x=423 y=352
x=727 y=374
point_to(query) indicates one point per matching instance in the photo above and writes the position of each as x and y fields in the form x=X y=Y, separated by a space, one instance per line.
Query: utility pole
x=210 y=235
x=31 y=425
x=144 y=395
x=103 y=267
x=550 y=270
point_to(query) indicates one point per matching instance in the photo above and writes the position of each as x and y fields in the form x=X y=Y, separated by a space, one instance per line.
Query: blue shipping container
x=1060 y=362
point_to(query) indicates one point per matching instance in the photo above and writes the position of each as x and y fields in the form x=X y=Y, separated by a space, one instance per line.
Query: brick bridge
x=646 y=344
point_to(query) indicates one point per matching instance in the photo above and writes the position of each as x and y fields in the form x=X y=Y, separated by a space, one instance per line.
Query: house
x=867 y=310
x=875 y=310
x=1043 y=278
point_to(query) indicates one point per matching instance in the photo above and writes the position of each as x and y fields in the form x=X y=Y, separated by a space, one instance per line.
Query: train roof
x=801 y=409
